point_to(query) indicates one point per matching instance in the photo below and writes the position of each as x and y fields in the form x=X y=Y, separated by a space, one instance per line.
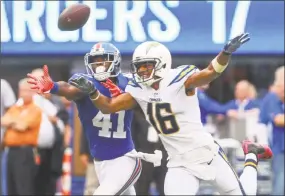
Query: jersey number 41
x=104 y=123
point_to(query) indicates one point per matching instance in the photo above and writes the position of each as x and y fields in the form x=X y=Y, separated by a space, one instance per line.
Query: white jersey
x=174 y=115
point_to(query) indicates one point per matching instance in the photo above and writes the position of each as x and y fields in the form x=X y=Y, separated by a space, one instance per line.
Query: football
x=73 y=17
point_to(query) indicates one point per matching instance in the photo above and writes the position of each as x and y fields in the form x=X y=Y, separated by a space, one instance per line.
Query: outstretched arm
x=68 y=91
x=111 y=105
x=105 y=104
x=44 y=84
x=218 y=64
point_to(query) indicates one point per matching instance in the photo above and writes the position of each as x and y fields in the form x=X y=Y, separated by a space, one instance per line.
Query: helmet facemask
x=144 y=70
x=102 y=65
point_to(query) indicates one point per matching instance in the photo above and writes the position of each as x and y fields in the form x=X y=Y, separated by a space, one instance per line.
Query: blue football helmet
x=103 y=61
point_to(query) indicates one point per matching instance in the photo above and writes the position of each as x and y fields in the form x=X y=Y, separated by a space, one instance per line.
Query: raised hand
x=236 y=42
x=83 y=84
x=42 y=84
x=114 y=90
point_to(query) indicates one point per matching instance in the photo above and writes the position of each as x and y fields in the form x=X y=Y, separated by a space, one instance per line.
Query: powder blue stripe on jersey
x=134 y=84
x=222 y=154
x=185 y=72
x=135 y=175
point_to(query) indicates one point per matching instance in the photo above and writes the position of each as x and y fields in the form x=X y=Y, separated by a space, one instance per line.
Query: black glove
x=235 y=43
x=83 y=84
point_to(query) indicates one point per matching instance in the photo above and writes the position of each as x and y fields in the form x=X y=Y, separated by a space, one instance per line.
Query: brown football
x=73 y=17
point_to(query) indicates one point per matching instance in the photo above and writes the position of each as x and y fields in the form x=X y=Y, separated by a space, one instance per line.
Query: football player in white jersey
x=169 y=101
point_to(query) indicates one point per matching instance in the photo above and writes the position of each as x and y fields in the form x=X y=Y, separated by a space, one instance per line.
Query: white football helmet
x=151 y=52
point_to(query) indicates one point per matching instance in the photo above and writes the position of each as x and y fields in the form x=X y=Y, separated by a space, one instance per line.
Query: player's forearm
x=111 y=105
x=102 y=102
x=216 y=67
x=207 y=75
x=68 y=91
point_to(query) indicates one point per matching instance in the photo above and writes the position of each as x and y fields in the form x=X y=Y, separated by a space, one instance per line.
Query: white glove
x=152 y=158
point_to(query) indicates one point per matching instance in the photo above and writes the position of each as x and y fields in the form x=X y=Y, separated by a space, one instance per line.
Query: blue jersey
x=109 y=135
x=270 y=107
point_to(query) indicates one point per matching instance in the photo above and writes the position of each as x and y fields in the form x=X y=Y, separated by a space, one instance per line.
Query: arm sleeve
x=210 y=105
x=274 y=108
x=263 y=117
x=229 y=105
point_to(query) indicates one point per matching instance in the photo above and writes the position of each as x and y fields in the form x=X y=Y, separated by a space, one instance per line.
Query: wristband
x=55 y=88
x=95 y=97
x=218 y=67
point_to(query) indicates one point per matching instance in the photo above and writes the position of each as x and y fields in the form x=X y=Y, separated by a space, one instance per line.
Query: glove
x=83 y=84
x=235 y=43
x=42 y=84
x=152 y=158
x=114 y=90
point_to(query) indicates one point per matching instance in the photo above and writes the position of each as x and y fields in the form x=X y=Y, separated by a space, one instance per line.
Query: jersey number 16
x=162 y=118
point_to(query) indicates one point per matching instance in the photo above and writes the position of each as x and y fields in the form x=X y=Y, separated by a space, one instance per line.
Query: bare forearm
x=102 y=102
x=210 y=73
x=111 y=105
x=68 y=91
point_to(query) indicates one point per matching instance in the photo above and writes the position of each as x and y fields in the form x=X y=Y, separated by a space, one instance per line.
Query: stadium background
x=194 y=32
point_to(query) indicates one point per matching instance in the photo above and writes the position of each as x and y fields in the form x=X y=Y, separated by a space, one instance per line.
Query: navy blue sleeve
x=274 y=108
x=230 y=105
x=253 y=104
x=210 y=105
x=263 y=115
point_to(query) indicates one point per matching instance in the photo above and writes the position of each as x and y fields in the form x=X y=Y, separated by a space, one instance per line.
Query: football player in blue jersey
x=109 y=135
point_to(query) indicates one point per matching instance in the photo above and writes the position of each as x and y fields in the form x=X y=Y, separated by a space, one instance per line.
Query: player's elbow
x=107 y=111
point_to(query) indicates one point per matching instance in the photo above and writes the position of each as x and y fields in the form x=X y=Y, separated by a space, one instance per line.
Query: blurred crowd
x=35 y=130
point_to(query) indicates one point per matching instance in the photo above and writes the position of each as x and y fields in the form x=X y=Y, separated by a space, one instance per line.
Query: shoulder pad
x=183 y=71
x=128 y=75
x=133 y=84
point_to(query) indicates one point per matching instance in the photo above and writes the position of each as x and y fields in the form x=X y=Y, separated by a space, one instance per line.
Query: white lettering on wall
x=28 y=18
x=90 y=33
x=53 y=32
x=124 y=18
x=5 y=30
x=219 y=16
x=168 y=18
